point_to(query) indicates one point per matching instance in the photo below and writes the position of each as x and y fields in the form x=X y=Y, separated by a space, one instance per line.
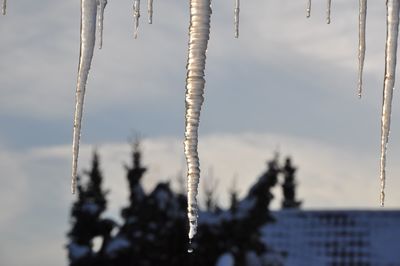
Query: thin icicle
x=361 y=42
x=4 y=7
x=199 y=34
x=150 y=10
x=236 y=18
x=392 y=32
x=88 y=33
x=136 y=16
x=328 y=12
x=101 y=5
x=308 y=8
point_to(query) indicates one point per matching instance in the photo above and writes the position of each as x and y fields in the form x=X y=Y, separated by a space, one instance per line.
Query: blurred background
x=288 y=84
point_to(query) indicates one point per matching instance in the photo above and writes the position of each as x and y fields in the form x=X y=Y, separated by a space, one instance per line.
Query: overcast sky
x=287 y=82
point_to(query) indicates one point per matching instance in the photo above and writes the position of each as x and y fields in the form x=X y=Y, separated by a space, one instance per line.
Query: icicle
x=392 y=31
x=361 y=42
x=101 y=5
x=4 y=7
x=236 y=19
x=150 y=10
x=199 y=32
x=308 y=8
x=328 y=12
x=136 y=16
x=190 y=247
x=88 y=33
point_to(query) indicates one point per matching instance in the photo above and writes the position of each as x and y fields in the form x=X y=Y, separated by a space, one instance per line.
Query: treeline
x=154 y=228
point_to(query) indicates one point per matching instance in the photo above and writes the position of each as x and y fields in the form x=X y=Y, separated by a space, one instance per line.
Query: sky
x=288 y=84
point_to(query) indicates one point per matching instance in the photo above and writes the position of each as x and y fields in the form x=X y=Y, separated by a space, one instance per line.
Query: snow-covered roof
x=335 y=237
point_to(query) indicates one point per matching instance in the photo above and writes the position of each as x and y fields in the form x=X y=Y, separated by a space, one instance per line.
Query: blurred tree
x=210 y=186
x=289 y=186
x=154 y=231
x=233 y=195
x=87 y=223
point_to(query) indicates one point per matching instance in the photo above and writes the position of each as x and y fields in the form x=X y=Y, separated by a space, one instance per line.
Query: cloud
x=38 y=70
x=12 y=183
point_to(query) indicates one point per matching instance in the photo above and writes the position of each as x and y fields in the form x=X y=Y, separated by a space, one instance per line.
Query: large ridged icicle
x=4 y=7
x=199 y=32
x=362 y=19
x=392 y=32
x=308 y=14
x=101 y=5
x=87 y=36
x=236 y=17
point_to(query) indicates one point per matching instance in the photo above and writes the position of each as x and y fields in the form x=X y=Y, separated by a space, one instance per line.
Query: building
x=332 y=237
x=336 y=238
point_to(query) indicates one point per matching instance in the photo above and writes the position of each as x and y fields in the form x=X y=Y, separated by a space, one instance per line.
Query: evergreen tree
x=289 y=186
x=237 y=233
x=233 y=196
x=86 y=220
x=154 y=231
x=210 y=186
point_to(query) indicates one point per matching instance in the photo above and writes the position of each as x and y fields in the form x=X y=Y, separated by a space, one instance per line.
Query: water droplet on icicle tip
x=87 y=42
x=190 y=247
x=150 y=10
x=392 y=32
x=308 y=14
x=4 y=7
x=101 y=5
x=236 y=17
x=136 y=16
x=328 y=12
x=199 y=34
x=362 y=18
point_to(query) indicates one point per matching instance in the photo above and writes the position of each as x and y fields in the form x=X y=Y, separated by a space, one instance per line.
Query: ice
x=328 y=12
x=4 y=7
x=392 y=31
x=236 y=18
x=190 y=248
x=308 y=8
x=101 y=5
x=199 y=32
x=361 y=42
x=87 y=42
x=136 y=16
x=150 y=10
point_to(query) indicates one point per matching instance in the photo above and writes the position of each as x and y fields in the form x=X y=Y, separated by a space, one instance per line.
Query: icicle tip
x=308 y=10
x=328 y=13
x=359 y=93
x=73 y=185
x=4 y=8
x=190 y=247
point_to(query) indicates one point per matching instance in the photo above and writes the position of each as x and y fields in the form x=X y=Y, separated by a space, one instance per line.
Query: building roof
x=337 y=237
